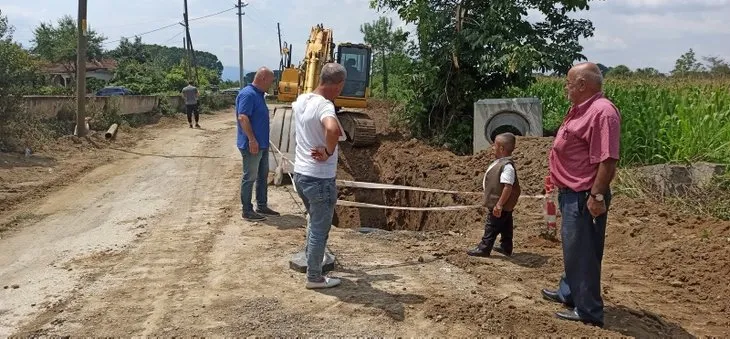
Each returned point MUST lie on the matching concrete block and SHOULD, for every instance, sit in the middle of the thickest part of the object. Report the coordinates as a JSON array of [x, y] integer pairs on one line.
[[299, 262], [681, 179], [521, 116]]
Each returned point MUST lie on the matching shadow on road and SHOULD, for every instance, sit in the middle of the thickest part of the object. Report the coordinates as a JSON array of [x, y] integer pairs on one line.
[[525, 259], [286, 221], [361, 291], [641, 324]]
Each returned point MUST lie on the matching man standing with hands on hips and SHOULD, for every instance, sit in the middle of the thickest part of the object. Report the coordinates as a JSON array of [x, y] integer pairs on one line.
[[582, 165], [252, 115], [315, 167]]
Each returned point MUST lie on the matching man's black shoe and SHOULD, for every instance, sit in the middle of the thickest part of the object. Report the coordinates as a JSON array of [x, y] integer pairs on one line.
[[267, 211], [554, 297], [572, 315], [252, 216], [478, 252]]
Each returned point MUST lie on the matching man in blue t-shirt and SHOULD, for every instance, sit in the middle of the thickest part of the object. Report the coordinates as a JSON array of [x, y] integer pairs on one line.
[[252, 115]]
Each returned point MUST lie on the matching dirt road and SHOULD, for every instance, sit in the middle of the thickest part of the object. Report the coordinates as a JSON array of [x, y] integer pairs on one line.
[[153, 244]]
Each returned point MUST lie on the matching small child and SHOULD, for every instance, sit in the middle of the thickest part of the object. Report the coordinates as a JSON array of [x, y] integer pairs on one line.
[[501, 191]]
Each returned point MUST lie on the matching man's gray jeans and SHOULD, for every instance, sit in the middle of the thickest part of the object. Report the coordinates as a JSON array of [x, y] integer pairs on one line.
[[319, 197]]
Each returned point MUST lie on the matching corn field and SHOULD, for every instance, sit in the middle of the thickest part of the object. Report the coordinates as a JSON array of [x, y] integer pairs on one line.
[[663, 120]]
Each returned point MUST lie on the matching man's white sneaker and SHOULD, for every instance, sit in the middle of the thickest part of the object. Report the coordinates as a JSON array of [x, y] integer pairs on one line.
[[327, 283]]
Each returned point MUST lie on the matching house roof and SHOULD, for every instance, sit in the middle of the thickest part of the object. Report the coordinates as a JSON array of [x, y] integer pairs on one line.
[[93, 65]]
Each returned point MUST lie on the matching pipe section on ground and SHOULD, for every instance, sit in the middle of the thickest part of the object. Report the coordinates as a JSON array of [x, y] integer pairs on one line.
[[111, 132]]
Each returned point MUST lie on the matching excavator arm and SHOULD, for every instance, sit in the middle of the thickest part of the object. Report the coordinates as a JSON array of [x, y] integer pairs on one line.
[[320, 49]]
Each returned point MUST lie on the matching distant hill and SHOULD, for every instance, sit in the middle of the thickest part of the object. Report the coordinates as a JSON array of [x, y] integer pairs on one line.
[[230, 73]]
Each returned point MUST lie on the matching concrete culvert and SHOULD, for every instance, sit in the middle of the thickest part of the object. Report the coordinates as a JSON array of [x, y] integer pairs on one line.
[[521, 116], [506, 122]]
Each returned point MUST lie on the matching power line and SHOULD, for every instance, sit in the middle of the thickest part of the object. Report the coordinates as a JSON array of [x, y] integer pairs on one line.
[[214, 14], [173, 37], [170, 25], [145, 33]]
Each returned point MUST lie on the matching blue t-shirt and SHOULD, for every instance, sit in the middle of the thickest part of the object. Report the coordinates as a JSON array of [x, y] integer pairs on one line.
[[250, 102]]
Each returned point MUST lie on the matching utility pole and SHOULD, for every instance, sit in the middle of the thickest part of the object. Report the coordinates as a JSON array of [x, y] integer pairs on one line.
[[186, 57], [81, 72], [281, 49], [190, 42], [240, 6]]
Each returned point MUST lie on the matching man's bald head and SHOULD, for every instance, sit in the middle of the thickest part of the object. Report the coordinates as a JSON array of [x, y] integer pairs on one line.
[[583, 81], [263, 79], [589, 72]]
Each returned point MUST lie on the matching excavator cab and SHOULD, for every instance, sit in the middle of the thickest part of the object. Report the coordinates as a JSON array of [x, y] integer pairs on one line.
[[356, 60]]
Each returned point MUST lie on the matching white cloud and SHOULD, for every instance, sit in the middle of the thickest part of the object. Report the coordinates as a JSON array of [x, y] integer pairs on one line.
[[638, 33]]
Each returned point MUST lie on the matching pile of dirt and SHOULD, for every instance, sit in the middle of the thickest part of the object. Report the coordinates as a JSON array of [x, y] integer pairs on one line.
[[398, 160]]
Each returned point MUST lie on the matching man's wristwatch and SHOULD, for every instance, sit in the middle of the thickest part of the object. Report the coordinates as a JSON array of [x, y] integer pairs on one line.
[[598, 197], [327, 152]]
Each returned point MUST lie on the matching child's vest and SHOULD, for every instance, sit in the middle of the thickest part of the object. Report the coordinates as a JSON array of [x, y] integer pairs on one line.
[[493, 188]]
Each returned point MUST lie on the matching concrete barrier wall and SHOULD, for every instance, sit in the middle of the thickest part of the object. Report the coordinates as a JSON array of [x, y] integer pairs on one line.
[[55, 106]]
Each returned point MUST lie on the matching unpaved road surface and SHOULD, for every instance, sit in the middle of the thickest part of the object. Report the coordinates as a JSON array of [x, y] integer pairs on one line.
[[153, 244]]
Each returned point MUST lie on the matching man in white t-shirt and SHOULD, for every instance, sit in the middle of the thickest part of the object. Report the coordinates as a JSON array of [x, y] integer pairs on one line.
[[315, 167]]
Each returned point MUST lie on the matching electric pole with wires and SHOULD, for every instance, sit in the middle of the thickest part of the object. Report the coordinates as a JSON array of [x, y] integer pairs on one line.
[[240, 14], [189, 46], [81, 72]]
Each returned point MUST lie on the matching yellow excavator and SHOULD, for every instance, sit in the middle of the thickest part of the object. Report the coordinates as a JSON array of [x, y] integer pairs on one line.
[[350, 106]]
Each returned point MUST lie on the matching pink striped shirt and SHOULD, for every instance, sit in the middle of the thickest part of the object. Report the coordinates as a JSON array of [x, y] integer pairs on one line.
[[589, 135]]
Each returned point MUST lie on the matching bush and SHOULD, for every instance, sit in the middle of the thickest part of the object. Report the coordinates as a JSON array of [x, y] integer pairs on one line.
[[18, 76], [215, 102]]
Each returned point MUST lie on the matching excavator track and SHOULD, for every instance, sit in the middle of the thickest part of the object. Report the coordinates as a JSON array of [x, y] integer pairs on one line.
[[359, 127]]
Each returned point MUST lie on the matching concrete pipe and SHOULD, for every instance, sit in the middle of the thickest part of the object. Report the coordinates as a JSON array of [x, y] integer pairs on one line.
[[111, 132], [521, 116], [506, 122]]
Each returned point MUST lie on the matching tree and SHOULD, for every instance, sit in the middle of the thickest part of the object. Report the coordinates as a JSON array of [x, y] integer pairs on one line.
[[385, 42], [603, 68], [58, 44], [647, 72], [18, 77], [687, 64], [470, 50], [130, 50], [717, 66], [172, 56], [6, 31], [619, 71]]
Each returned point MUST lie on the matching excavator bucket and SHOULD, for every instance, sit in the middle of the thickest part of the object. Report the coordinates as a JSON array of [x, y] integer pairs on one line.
[[281, 137], [360, 129]]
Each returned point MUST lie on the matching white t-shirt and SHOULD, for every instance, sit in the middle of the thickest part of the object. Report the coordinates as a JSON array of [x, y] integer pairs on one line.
[[506, 177], [309, 110]]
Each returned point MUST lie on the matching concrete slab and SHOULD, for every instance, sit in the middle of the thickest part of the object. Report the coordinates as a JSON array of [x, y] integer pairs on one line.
[[298, 262]]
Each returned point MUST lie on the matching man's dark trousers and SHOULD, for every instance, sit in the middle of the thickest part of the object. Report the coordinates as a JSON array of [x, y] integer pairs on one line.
[[583, 240], [190, 110], [495, 226]]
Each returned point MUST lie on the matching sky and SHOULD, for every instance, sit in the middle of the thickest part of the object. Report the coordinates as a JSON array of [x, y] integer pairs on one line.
[[636, 33]]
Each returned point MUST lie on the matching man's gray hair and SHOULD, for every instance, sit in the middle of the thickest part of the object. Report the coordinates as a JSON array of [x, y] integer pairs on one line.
[[590, 72], [332, 74]]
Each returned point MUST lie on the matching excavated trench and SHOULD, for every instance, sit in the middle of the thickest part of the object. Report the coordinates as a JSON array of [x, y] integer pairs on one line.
[[412, 163]]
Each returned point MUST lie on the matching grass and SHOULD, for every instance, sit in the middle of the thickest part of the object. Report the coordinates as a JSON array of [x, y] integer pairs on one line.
[[663, 120], [708, 200]]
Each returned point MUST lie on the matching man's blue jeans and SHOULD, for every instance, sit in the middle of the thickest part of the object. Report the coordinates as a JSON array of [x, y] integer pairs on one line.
[[255, 170], [319, 197], [583, 238]]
